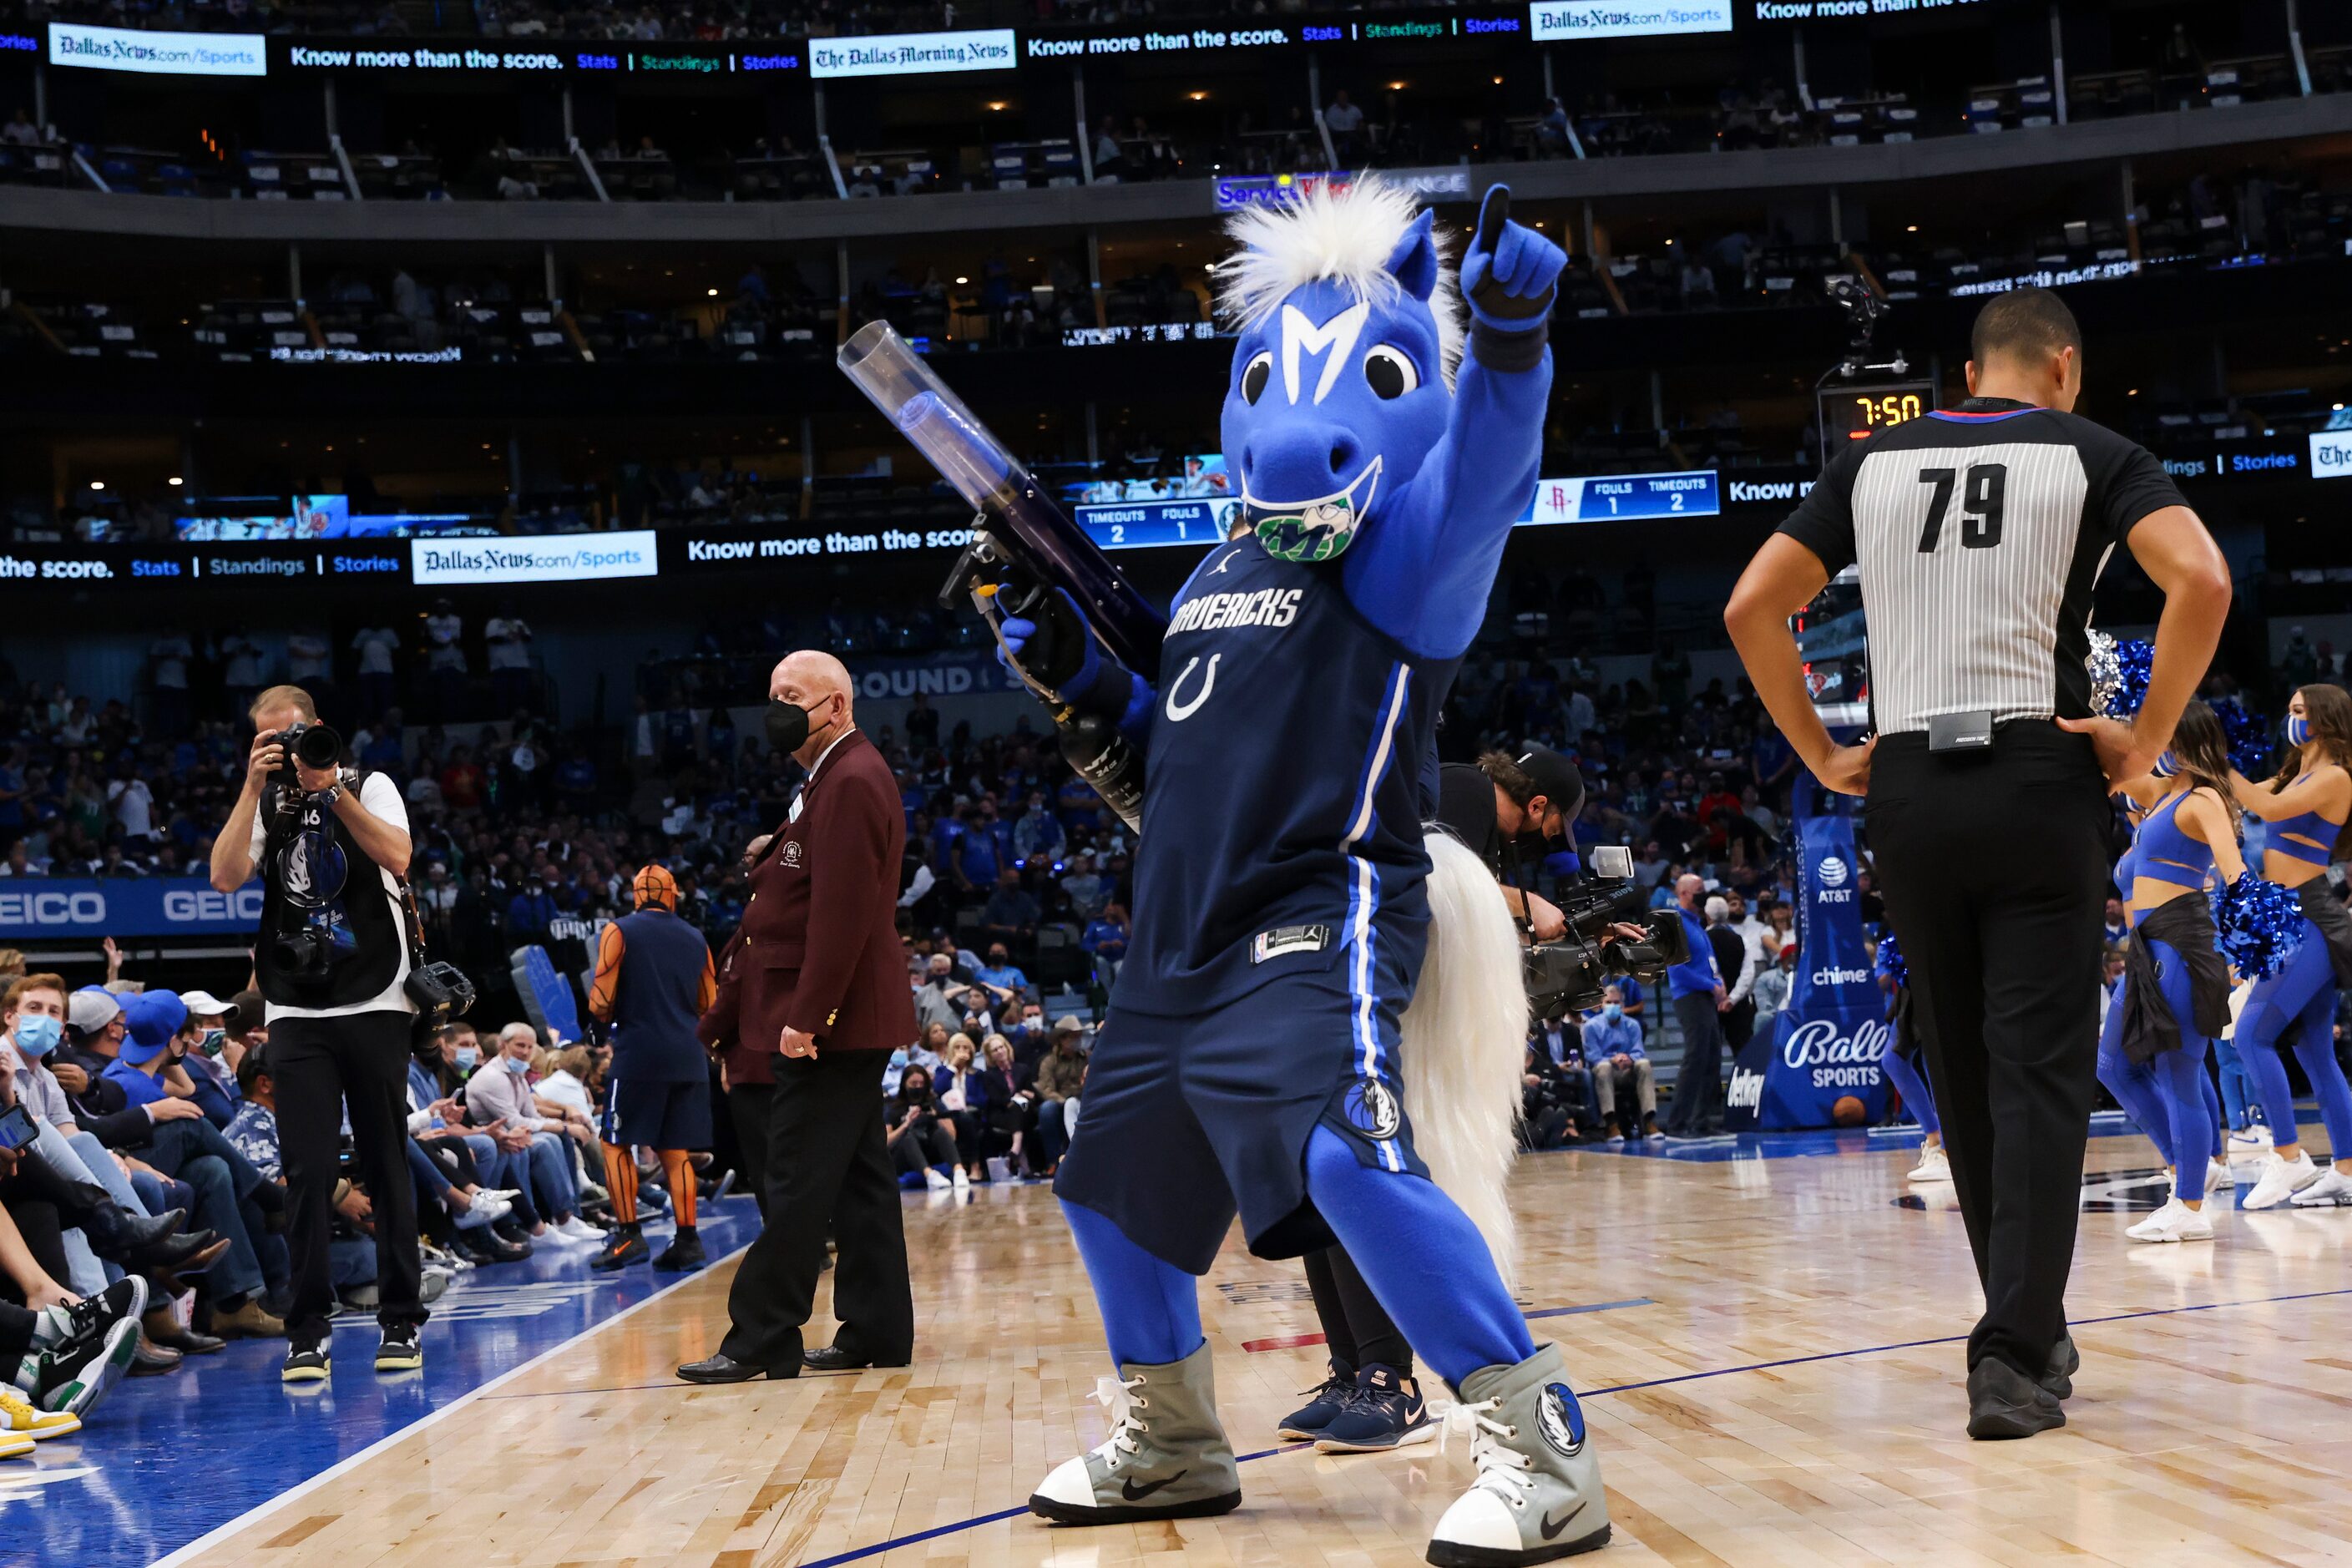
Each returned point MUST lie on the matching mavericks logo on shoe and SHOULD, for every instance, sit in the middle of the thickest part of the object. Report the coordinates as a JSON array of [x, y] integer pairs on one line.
[[1372, 1109], [1560, 1419]]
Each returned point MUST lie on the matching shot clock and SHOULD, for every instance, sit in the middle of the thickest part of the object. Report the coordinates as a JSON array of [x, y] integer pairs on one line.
[[1850, 412]]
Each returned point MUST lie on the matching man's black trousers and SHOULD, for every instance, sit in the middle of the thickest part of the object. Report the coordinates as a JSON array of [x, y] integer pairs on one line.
[[1699, 1080], [320, 1069], [749, 1110], [827, 1158], [1994, 865]]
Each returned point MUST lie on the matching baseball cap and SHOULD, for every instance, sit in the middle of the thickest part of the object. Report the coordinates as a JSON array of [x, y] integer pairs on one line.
[[1556, 778], [654, 885], [91, 1009], [152, 1021], [203, 1003]]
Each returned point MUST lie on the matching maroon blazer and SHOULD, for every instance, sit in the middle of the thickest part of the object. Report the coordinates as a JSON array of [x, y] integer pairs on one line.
[[818, 949]]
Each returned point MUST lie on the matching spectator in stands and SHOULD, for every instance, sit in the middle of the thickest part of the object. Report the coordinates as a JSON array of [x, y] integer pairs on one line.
[[1000, 975], [445, 643], [376, 646], [1700, 997], [1037, 833], [1551, 130], [1110, 158], [510, 637], [499, 1096], [922, 1143], [1012, 1101], [1104, 942], [1553, 1097], [20, 131], [1059, 1076], [1345, 122], [962, 1084], [1620, 1067], [1087, 889]]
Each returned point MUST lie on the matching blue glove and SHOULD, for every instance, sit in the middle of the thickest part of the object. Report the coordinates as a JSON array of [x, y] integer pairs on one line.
[[1054, 650], [1510, 272]]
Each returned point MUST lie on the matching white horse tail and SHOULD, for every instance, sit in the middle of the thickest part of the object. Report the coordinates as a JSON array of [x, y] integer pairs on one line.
[[1466, 1040]]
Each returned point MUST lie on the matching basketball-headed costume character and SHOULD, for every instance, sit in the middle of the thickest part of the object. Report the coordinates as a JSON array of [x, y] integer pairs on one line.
[[1250, 1059]]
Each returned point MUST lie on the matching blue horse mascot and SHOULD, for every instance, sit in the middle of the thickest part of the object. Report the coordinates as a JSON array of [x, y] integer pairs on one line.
[[1251, 1061]]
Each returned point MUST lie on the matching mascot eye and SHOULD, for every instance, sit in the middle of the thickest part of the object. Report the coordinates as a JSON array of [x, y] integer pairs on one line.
[[1389, 372], [1255, 376]]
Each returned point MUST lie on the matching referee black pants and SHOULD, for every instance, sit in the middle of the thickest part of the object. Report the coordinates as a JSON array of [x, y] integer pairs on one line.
[[827, 1159], [1994, 868]]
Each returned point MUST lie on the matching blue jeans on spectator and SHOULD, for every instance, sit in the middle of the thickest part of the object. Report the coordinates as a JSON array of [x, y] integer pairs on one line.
[[2235, 1086], [1053, 1139], [551, 1171], [73, 1158], [350, 1262], [224, 1181], [509, 1172]]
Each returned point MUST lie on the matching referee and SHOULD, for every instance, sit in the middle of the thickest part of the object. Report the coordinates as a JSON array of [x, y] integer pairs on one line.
[[1980, 532]]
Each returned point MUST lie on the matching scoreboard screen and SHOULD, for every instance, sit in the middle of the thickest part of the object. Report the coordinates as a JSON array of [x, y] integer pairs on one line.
[[1853, 413]]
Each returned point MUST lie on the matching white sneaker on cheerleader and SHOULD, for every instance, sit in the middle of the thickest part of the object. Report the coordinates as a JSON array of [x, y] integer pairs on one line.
[[2333, 1190], [1934, 1165], [934, 1180], [2174, 1222], [2249, 1143], [960, 1177], [2281, 1180], [2216, 1176]]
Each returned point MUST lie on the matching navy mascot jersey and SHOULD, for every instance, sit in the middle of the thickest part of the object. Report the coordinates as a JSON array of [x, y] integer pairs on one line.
[[1281, 816]]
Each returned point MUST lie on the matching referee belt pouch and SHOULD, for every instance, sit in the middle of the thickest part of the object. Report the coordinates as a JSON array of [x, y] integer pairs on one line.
[[1960, 732], [2323, 908]]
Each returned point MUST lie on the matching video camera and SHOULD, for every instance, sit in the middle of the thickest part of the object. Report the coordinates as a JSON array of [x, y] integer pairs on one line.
[[1569, 975]]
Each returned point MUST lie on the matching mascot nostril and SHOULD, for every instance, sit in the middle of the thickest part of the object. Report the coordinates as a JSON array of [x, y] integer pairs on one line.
[[1338, 459]]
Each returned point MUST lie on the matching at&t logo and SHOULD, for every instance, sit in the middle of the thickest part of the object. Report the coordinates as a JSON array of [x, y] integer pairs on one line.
[[1832, 871]]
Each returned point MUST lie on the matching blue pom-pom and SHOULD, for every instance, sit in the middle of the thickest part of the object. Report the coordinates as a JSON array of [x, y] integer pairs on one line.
[[2249, 735], [2258, 924], [1891, 956], [2134, 657]]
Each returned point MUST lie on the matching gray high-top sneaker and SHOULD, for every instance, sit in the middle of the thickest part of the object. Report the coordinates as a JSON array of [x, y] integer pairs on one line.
[[1538, 1494], [1165, 1456]]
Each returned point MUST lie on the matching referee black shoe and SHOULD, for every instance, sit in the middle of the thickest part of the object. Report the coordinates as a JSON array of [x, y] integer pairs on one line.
[[725, 1368], [833, 1358], [2065, 1361], [2005, 1403]]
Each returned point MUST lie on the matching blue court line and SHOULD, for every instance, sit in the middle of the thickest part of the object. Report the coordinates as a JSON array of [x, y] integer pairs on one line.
[[859, 1552], [1589, 1307]]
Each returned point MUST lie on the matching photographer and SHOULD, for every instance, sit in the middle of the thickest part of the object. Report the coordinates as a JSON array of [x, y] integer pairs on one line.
[[333, 959], [1497, 804]]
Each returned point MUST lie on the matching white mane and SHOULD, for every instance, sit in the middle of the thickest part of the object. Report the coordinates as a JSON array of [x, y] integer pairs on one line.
[[1343, 236]]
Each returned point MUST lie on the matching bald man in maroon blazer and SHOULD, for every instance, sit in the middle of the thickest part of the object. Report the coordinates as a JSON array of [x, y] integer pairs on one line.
[[820, 1000]]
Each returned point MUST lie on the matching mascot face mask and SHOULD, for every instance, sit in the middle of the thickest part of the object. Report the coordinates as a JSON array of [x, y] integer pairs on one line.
[[1339, 390]]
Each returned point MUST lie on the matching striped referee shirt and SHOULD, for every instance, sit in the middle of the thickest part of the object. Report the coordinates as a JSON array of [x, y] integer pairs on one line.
[[1980, 532]]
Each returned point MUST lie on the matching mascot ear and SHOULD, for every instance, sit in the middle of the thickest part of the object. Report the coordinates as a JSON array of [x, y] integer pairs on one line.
[[1413, 263]]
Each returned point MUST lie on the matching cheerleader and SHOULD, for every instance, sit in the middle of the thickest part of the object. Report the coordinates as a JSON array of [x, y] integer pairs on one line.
[[1902, 1065], [2175, 993], [2305, 806]]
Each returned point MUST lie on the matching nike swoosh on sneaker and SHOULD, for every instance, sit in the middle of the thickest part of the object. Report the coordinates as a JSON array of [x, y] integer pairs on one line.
[[1552, 1527], [1133, 1493]]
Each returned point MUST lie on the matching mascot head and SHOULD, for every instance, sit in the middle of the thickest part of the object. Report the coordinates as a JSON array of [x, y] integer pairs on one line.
[[1343, 375]]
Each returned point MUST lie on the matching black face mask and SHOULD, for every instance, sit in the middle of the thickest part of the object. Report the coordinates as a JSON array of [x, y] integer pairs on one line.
[[788, 725]]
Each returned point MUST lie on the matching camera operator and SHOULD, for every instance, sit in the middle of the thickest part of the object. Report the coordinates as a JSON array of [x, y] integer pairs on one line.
[[1497, 803], [333, 962]]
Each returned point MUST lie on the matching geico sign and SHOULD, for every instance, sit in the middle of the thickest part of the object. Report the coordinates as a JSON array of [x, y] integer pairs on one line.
[[52, 909], [182, 905]]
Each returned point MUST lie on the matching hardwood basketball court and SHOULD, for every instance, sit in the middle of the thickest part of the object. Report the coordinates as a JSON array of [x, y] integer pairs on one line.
[[1769, 1349]]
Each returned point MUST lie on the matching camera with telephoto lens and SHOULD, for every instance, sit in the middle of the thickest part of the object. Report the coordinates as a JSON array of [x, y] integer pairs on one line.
[[313, 745], [1569, 975]]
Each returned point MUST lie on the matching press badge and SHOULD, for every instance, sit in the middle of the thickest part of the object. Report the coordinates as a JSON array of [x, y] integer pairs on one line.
[[1283, 941]]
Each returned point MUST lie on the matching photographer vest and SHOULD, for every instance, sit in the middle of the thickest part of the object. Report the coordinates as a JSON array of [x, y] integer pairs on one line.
[[321, 891]]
